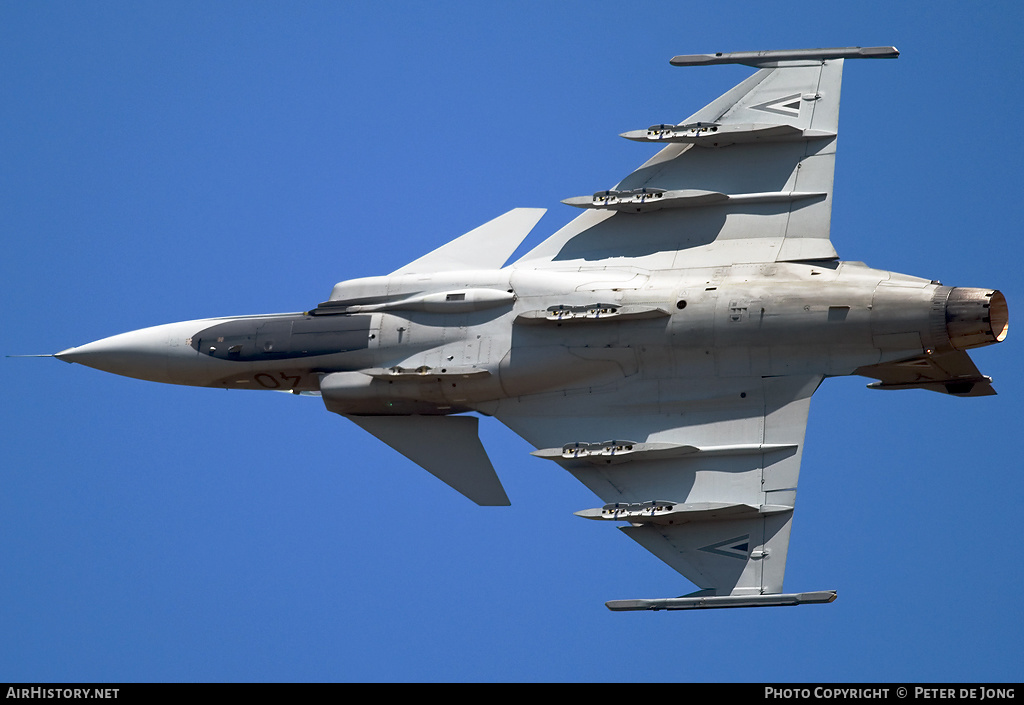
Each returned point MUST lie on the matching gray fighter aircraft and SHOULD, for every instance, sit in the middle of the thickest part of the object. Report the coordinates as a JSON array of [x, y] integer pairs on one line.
[[663, 347]]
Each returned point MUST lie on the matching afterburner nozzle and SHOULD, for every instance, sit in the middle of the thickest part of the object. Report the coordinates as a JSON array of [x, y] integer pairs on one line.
[[976, 317]]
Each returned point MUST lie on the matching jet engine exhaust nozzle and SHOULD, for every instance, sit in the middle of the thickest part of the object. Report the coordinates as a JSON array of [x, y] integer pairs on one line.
[[976, 317]]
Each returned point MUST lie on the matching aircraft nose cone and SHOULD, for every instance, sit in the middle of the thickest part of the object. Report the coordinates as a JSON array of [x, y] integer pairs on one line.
[[142, 354], [138, 354]]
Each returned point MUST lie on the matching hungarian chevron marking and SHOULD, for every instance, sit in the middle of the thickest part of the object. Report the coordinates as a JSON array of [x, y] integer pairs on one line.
[[789, 106], [738, 547]]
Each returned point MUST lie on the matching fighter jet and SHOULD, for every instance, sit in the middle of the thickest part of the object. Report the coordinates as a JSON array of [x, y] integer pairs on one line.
[[662, 347]]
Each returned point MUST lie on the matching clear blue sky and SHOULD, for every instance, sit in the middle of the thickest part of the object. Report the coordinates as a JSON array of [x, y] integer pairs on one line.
[[171, 161]]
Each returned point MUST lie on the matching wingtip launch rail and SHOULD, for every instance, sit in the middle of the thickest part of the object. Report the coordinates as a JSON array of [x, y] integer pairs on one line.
[[699, 602], [766, 59]]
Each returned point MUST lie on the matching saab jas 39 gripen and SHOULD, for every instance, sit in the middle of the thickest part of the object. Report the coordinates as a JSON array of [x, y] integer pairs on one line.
[[662, 347]]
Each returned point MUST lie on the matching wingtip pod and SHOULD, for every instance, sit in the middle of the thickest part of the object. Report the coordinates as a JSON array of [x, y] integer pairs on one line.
[[698, 601], [764, 59]]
